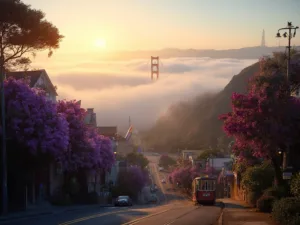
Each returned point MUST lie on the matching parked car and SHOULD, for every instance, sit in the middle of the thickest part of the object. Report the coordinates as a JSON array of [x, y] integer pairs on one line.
[[153, 199], [163, 181], [123, 201]]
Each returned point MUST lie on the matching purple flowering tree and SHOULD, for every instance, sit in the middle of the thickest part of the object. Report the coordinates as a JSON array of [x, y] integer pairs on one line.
[[87, 149], [101, 154], [78, 153], [132, 181], [33, 124]]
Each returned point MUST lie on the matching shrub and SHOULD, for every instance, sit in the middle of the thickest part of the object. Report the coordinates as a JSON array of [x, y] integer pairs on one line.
[[295, 185], [92, 198], [265, 203], [60, 199], [287, 211], [258, 178], [252, 198], [277, 192]]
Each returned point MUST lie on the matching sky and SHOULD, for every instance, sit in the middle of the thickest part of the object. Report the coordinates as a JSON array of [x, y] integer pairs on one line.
[[119, 89], [156, 24]]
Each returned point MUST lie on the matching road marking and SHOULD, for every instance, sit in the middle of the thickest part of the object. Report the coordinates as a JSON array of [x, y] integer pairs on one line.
[[170, 222], [91, 217], [145, 217]]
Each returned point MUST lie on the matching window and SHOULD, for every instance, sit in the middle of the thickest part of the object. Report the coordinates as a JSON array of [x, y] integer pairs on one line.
[[206, 185]]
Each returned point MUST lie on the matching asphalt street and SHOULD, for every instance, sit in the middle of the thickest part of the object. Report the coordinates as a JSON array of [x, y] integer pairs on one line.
[[171, 209]]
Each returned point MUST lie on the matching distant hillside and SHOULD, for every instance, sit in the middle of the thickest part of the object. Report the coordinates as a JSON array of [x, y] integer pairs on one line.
[[242, 53], [194, 124]]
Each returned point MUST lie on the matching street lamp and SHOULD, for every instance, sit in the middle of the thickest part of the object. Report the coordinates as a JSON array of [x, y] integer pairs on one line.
[[3, 139], [288, 35]]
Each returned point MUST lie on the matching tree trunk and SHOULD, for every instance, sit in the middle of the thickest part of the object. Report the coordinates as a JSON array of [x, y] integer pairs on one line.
[[278, 172]]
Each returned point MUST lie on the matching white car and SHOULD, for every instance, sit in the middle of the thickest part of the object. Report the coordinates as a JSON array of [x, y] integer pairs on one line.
[[163, 181]]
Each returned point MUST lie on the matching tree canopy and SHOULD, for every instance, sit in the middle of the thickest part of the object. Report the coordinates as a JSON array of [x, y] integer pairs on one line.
[[23, 31], [86, 148], [165, 161], [33, 121], [266, 119], [137, 159]]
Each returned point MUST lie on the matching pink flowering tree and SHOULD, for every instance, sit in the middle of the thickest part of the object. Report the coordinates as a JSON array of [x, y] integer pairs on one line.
[[265, 120], [184, 176], [36, 132]]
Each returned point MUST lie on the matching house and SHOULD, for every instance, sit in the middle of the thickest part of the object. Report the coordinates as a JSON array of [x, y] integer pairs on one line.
[[90, 118], [219, 163], [111, 132], [194, 153], [47, 179], [37, 79]]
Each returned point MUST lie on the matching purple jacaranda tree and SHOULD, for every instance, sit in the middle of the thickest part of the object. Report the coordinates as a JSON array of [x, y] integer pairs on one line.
[[77, 155], [32, 121], [87, 149], [132, 181], [101, 154]]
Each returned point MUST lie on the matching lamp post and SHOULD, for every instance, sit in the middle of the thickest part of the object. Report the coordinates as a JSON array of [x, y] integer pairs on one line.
[[3, 139], [288, 34]]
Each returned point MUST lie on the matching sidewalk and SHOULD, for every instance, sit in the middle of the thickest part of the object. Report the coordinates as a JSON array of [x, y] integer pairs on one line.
[[47, 209], [239, 213]]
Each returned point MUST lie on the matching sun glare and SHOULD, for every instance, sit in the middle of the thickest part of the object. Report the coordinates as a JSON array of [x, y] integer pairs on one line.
[[100, 43]]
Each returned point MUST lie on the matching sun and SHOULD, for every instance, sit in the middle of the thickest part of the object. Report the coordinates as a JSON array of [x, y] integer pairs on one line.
[[100, 43]]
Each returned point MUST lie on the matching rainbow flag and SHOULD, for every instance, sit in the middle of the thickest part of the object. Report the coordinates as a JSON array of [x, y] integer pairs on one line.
[[129, 133]]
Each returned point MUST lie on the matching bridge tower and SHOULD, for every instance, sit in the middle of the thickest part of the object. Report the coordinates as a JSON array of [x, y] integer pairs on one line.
[[154, 67]]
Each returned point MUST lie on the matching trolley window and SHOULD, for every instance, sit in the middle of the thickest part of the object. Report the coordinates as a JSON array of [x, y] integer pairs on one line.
[[206, 185]]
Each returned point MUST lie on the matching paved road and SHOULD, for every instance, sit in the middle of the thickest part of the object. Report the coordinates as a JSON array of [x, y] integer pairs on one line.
[[176, 214], [173, 209]]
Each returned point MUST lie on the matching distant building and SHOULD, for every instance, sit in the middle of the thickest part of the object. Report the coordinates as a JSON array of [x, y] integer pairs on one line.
[[219, 163], [108, 131], [37, 79], [194, 153], [91, 118]]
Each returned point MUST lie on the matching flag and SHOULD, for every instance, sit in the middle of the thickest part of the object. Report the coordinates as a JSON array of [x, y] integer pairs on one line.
[[129, 133]]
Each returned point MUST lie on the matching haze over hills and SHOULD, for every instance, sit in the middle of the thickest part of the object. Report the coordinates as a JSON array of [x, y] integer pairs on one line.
[[242, 53], [194, 124]]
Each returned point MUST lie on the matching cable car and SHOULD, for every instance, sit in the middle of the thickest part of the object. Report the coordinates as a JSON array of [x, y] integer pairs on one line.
[[204, 190]]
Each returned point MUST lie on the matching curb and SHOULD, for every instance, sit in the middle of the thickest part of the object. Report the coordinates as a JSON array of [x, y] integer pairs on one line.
[[45, 213], [220, 219]]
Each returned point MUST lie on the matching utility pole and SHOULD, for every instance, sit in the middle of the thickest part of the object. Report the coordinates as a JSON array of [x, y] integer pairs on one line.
[[3, 139], [288, 35]]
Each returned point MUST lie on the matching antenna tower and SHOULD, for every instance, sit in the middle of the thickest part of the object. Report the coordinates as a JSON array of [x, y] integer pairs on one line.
[[154, 67], [263, 41]]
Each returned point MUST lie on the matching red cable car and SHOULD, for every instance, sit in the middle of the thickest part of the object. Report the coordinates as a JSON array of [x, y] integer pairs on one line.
[[204, 190]]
